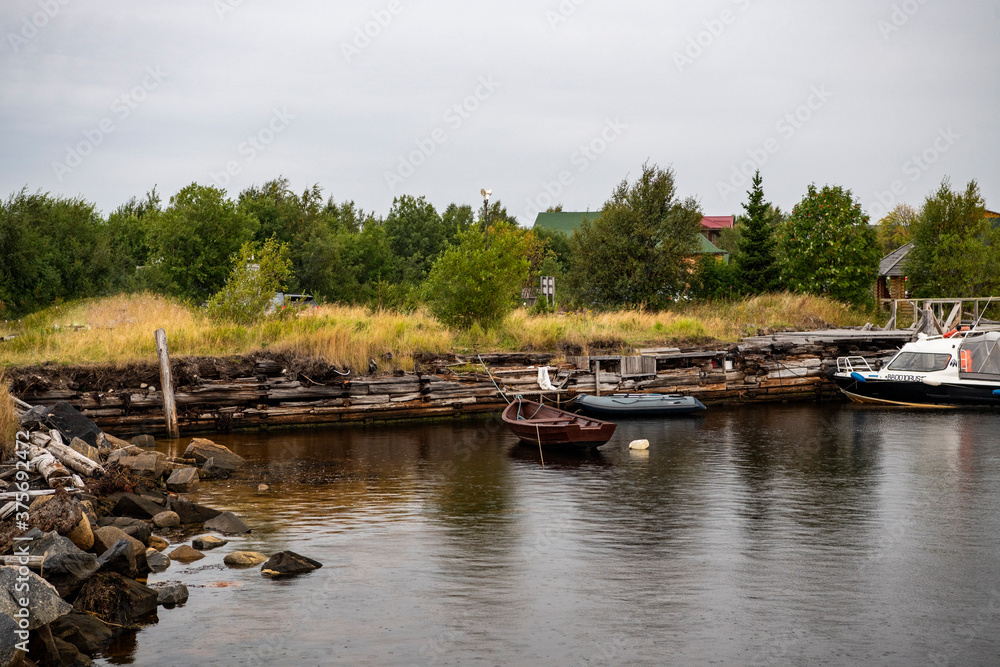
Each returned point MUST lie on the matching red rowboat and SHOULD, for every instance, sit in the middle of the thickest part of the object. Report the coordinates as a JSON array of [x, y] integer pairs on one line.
[[542, 424]]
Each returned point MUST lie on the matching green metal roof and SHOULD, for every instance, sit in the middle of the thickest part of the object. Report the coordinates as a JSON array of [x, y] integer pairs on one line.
[[565, 222], [707, 247]]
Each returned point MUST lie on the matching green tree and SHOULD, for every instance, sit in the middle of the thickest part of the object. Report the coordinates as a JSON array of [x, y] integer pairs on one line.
[[638, 251], [127, 229], [259, 271], [193, 242], [52, 249], [956, 251], [712, 279], [756, 262], [471, 283], [417, 236], [827, 247], [893, 230]]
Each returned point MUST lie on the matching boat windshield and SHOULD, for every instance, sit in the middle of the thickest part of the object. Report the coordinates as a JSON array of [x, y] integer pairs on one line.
[[920, 362], [981, 356]]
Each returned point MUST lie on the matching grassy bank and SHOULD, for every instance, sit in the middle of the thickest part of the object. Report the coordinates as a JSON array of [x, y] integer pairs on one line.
[[120, 329]]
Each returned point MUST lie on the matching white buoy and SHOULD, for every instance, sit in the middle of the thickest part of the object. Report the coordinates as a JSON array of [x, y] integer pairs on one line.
[[639, 444]]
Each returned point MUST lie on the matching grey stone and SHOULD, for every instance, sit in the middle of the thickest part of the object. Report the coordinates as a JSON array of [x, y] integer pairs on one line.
[[49, 544], [87, 633], [68, 571], [119, 558], [136, 507], [158, 562], [244, 559], [88, 450], [189, 512], [9, 640], [183, 480], [228, 524], [208, 542], [202, 449], [167, 519], [169, 595], [288, 563], [185, 554], [213, 469], [144, 441], [44, 604]]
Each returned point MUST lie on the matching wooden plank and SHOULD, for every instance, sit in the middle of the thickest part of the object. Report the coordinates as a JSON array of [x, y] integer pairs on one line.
[[167, 386]]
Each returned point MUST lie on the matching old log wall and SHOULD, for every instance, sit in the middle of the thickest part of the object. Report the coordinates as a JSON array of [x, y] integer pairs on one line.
[[758, 371]]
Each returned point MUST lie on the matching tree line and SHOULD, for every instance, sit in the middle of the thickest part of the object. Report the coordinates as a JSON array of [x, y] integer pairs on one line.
[[469, 265]]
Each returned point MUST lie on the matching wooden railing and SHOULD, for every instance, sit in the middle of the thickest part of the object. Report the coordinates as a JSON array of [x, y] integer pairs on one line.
[[936, 316]]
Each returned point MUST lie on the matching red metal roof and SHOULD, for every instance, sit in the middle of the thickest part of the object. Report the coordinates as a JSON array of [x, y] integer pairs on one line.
[[717, 222]]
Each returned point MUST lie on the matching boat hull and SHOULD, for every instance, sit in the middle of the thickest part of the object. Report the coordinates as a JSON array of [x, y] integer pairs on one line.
[[640, 405], [919, 394], [547, 426]]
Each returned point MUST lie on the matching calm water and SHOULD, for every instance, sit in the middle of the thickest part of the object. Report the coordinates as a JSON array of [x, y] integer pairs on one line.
[[777, 535]]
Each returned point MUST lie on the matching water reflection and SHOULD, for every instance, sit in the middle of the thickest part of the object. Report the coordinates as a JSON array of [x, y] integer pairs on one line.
[[787, 534]]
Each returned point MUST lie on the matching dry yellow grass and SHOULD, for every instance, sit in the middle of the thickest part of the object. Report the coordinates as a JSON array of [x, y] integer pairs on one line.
[[120, 329], [8, 421]]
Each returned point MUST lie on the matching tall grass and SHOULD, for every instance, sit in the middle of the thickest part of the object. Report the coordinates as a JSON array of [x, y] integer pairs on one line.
[[120, 329], [8, 421]]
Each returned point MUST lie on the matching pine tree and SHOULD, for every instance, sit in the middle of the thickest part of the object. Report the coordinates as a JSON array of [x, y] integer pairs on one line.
[[756, 261]]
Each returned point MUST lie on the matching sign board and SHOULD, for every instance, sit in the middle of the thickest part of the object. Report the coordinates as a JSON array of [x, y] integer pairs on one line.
[[549, 288]]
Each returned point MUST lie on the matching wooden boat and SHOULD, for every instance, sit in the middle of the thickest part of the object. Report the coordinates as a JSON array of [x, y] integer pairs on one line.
[[639, 405], [542, 424]]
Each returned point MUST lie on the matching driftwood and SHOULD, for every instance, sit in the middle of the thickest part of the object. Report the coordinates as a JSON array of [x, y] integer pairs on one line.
[[75, 460], [49, 467], [34, 562]]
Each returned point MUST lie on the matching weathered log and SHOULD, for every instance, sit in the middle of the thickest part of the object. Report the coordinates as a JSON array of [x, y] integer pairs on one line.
[[49, 467], [169, 407], [75, 460]]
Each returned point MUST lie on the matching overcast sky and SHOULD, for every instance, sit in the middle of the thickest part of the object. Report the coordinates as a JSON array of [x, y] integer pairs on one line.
[[544, 102]]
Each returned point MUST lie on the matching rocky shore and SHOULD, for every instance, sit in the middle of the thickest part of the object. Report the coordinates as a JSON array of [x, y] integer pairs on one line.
[[85, 517]]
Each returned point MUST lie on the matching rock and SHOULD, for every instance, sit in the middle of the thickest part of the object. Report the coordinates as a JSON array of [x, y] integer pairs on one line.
[[105, 538], [68, 421], [44, 604], [120, 558], [189, 512], [140, 531], [149, 464], [244, 559], [49, 544], [167, 519], [136, 507], [66, 654], [170, 595], [9, 640], [185, 554], [202, 449], [144, 441], [87, 633], [213, 469], [208, 542], [68, 571], [227, 523], [263, 488], [115, 599], [63, 514], [88, 450], [158, 543], [157, 562], [183, 480], [126, 452], [287, 563]]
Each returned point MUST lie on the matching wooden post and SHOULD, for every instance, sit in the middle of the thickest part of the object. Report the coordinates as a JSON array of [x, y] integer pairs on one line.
[[597, 378], [169, 407]]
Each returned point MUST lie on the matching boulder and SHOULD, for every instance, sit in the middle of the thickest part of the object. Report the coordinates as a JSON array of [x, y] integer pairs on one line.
[[244, 559], [55, 651], [105, 538], [202, 449], [121, 559], [288, 563], [189, 512], [221, 469], [183, 480], [88, 450], [208, 542], [44, 604], [148, 464], [228, 524], [185, 554], [167, 519], [87, 633], [9, 640], [136, 507], [49, 544], [158, 543], [157, 562], [82, 535], [117, 455], [63, 514], [140, 531], [170, 595], [68, 421], [68, 571], [115, 599], [147, 441]]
